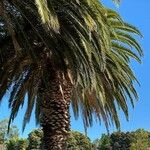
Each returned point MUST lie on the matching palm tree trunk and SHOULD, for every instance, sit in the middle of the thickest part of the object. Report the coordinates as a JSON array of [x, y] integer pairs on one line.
[[55, 119]]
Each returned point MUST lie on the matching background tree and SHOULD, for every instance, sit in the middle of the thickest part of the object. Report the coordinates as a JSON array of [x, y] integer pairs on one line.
[[4, 136], [104, 143], [16, 144], [78, 141], [35, 140], [115, 141], [53, 54], [141, 140], [121, 140], [13, 131]]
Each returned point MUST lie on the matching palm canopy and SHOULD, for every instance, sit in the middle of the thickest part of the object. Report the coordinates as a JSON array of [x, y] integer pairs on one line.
[[83, 40]]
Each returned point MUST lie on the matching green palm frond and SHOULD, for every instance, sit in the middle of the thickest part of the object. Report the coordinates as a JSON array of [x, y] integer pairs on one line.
[[116, 84], [48, 15], [90, 42]]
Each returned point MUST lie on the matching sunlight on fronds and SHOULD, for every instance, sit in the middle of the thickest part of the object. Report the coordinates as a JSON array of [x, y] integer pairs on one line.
[[48, 15]]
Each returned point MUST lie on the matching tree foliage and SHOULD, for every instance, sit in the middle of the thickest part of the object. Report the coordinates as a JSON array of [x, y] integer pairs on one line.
[[16, 144], [141, 140], [135, 140], [104, 143], [35, 140], [78, 141], [121, 140], [4, 135]]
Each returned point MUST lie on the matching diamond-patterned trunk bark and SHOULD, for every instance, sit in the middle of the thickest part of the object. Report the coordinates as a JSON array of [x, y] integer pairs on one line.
[[55, 119]]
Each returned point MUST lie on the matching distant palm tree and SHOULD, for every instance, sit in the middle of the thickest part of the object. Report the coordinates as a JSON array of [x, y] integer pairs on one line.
[[57, 53]]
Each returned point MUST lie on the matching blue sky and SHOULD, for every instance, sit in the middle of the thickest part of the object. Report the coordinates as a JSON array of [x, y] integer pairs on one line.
[[135, 12]]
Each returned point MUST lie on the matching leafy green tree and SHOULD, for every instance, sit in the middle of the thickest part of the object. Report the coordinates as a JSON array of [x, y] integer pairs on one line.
[[10, 140], [78, 141], [115, 141], [16, 144], [104, 143], [22, 144], [135, 140], [121, 140], [35, 140], [66, 52], [140, 140], [13, 131]]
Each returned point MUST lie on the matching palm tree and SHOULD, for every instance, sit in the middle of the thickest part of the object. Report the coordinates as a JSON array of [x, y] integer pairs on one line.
[[57, 53]]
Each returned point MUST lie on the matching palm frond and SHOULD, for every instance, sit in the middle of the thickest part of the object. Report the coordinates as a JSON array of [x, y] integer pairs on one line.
[[83, 37], [48, 15]]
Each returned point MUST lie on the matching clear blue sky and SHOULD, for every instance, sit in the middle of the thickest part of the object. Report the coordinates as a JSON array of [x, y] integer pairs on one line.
[[135, 12]]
